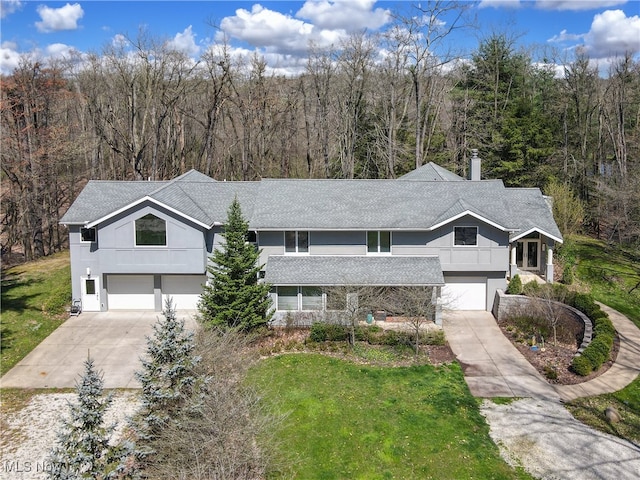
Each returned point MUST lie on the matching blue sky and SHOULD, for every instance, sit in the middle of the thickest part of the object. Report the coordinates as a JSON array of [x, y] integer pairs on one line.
[[281, 30]]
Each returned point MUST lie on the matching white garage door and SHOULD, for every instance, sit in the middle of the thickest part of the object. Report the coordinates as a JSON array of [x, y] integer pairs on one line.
[[465, 293], [130, 292], [184, 289]]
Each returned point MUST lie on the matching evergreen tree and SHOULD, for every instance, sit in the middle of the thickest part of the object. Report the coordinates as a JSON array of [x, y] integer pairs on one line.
[[83, 449], [168, 376], [235, 298]]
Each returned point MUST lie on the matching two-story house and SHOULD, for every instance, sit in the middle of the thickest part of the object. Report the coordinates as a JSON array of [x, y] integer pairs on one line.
[[134, 243]]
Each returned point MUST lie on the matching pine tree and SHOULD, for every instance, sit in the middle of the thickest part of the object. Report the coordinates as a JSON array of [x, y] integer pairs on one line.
[[83, 449], [168, 376], [235, 298]]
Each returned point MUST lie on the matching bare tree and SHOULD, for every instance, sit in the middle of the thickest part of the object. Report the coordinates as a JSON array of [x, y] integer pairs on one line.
[[426, 32], [416, 305]]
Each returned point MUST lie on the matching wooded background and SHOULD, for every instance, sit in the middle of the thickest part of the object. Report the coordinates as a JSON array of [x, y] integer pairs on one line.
[[141, 111]]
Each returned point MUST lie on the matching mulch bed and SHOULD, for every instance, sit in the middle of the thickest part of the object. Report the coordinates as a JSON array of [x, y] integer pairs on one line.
[[555, 358], [293, 340]]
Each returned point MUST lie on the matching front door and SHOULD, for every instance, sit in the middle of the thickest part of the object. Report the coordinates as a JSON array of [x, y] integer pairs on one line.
[[90, 294], [527, 254]]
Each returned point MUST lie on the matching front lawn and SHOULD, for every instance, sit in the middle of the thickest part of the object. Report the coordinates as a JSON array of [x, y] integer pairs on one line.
[[34, 298], [346, 420]]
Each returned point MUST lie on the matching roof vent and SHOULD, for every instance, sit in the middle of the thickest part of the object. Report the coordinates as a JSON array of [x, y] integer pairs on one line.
[[475, 165]]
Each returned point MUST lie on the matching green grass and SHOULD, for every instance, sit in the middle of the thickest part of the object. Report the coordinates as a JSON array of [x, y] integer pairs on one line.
[[34, 297], [610, 273], [346, 420]]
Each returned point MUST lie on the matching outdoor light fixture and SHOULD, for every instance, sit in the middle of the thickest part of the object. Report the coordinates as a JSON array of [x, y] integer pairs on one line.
[[89, 272]]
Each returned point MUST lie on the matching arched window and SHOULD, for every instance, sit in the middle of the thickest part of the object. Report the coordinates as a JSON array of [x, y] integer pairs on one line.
[[151, 231]]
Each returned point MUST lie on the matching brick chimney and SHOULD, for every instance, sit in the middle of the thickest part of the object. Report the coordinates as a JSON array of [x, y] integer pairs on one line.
[[475, 165]]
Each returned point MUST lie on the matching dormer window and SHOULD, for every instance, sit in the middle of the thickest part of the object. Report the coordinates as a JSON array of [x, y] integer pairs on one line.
[[151, 231], [465, 236], [88, 235]]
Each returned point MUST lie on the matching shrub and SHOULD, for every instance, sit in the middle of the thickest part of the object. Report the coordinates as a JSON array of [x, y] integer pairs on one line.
[[432, 337], [581, 366], [515, 285], [327, 332], [603, 344], [586, 304], [603, 326], [550, 372], [531, 289], [367, 333], [594, 355], [393, 337]]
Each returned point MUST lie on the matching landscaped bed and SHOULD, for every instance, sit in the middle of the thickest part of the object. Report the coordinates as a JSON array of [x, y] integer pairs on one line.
[[552, 361]]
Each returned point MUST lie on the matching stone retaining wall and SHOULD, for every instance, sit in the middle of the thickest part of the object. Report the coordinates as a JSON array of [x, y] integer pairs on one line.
[[504, 305]]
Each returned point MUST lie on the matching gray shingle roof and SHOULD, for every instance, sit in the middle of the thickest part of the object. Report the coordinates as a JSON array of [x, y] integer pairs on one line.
[[372, 204], [432, 172], [287, 204], [319, 270]]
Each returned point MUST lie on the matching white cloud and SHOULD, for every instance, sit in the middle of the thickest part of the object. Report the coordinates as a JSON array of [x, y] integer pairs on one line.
[[9, 57], [59, 51], [266, 28], [576, 5], [613, 33], [185, 42], [7, 7], [349, 15], [56, 19], [119, 41], [564, 36], [499, 4]]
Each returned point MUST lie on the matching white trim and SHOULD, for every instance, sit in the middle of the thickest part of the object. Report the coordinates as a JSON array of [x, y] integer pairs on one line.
[[474, 215], [534, 229], [138, 202]]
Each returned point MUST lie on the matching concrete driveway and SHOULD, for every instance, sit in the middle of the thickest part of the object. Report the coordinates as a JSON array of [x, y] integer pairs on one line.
[[115, 340], [492, 366]]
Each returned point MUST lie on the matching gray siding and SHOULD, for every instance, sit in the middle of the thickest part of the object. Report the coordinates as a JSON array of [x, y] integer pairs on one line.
[[185, 251], [338, 243]]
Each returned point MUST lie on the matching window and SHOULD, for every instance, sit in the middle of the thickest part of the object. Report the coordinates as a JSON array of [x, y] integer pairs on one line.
[[311, 298], [378, 242], [151, 231], [296, 242], [287, 298], [299, 298], [88, 235], [465, 235]]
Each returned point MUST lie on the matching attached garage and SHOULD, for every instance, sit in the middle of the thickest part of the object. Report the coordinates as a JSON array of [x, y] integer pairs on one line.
[[465, 293], [184, 289], [130, 292]]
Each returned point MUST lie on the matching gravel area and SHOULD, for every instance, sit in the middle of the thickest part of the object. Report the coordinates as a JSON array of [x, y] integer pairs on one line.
[[29, 434], [543, 438], [540, 436]]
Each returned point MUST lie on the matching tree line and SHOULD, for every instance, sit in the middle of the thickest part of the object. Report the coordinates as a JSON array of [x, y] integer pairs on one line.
[[142, 111]]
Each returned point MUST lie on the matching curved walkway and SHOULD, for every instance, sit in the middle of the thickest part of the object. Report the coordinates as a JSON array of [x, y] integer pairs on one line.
[[625, 369], [493, 367]]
